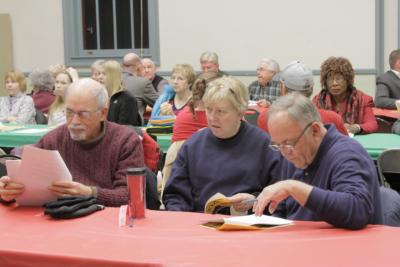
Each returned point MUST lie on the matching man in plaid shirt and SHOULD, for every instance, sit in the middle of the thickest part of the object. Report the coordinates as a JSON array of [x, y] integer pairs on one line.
[[266, 89]]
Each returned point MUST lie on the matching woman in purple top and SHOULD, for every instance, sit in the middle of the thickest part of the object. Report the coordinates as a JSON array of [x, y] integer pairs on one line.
[[182, 78]]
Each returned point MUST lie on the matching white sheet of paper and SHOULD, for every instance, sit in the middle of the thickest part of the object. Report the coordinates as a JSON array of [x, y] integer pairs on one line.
[[38, 169], [252, 220], [32, 131]]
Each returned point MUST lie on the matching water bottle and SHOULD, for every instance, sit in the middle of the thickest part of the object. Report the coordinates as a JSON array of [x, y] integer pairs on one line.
[[136, 180]]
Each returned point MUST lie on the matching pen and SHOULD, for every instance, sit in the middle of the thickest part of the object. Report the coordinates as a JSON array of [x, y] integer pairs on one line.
[[249, 201]]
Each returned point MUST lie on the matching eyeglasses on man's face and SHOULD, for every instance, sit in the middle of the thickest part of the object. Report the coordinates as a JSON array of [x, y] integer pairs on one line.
[[288, 148], [84, 114]]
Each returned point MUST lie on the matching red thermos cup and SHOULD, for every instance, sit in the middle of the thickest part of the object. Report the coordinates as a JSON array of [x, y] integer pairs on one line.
[[136, 180]]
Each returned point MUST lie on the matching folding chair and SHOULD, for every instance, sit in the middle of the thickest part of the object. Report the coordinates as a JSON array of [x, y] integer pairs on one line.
[[40, 118], [388, 164]]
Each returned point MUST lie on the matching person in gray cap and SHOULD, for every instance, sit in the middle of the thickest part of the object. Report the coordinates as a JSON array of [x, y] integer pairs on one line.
[[297, 77]]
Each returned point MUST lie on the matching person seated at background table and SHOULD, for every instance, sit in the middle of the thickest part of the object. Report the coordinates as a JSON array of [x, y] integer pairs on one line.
[[84, 144], [231, 156], [209, 62], [191, 119], [123, 108], [339, 94], [149, 71], [42, 82], [327, 176], [265, 89], [95, 69], [57, 110], [388, 84], [138, 85], [182, 78], [16, 107], [297, 77]]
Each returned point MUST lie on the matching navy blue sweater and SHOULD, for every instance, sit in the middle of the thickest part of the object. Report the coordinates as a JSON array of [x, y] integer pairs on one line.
[[346, 187], [206, 165]]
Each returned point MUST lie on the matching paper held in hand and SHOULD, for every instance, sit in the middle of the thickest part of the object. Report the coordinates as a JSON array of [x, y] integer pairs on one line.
[[215, 203], [248, 222], [37, 170]]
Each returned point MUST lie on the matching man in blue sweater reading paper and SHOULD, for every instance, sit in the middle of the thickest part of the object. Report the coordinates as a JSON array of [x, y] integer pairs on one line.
[[327, 176]]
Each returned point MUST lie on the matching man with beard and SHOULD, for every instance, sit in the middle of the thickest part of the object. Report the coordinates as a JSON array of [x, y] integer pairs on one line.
[[96, 152]]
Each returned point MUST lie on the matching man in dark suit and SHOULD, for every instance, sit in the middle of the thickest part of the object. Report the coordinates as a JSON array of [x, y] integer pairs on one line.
[[388, 84], [139, 86]]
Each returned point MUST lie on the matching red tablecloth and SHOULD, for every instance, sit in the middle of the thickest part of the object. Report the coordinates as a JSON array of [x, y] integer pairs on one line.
[[28, 238]]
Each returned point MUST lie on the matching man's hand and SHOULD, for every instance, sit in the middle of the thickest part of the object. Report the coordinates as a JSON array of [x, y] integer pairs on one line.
[[279, 191], [263, 103], [10, 190], [241, 201], [69, 188]]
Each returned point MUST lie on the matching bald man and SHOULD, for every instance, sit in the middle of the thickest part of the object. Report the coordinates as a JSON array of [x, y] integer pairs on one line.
[[137, 85], [84, 144]]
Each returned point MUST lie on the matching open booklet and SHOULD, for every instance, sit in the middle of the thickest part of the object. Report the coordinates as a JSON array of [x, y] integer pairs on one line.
[[215, 203], [37, 170], [248, 222]]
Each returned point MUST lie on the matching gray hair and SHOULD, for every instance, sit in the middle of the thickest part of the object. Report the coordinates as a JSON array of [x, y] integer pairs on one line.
[[42, 80], [97, 64], [149, 61], [97, 89], [230, 89], [298, 107], [270, 64], [209, 56]]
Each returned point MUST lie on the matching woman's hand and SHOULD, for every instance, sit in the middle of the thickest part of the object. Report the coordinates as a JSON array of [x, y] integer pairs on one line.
[[166, 109]]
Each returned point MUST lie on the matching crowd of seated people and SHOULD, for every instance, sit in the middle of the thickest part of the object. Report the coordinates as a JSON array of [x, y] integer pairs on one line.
[[287, 163]]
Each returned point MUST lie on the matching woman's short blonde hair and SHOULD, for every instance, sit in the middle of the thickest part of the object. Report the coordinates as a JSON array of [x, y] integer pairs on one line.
[[18, 77], [113, 72], [187, 71], [228, 88]]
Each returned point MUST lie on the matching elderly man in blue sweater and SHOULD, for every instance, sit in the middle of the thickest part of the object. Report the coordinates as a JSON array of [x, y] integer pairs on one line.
[[328, 176]]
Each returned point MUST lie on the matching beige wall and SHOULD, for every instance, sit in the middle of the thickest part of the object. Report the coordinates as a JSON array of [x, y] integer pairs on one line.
[[37, 32], [5, 48], [188, 27]]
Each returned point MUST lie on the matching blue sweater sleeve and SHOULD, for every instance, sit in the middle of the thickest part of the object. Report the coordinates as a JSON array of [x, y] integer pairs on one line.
[[177, 195], [349, 203]]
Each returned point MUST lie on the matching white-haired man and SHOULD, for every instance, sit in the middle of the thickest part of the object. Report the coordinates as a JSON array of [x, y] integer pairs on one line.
[[265, 89], [327, 176], [209, 63], [84, 144]]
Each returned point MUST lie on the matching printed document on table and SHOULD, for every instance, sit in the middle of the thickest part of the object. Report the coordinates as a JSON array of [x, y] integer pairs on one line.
[[37, 170]]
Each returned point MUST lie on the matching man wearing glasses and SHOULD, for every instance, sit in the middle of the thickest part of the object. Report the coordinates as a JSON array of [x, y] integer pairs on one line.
[[96, 152], [329, 176]]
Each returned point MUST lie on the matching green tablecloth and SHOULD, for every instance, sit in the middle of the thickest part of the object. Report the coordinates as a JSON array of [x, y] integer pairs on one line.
[[29, 134], [164, 141], [376, 143]]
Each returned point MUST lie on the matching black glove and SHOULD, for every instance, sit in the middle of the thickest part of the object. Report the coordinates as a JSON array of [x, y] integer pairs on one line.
[[72, 207]]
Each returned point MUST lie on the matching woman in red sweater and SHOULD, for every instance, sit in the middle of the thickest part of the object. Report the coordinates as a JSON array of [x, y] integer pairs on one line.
[[339, 94], [191, 119]]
